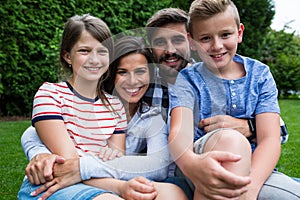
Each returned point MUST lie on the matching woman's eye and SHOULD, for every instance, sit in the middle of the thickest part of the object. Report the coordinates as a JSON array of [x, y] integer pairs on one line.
[[121, 72], [140, 71]]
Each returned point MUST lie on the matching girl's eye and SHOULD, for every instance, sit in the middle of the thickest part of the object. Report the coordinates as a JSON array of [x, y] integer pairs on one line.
[[103, 51], [83, 50]]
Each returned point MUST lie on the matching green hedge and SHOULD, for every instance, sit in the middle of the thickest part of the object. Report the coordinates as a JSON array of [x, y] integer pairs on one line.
[[30, 32]]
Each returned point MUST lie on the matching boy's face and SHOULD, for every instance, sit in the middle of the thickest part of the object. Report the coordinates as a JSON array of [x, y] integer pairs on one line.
[[170, 47], [216, 39]]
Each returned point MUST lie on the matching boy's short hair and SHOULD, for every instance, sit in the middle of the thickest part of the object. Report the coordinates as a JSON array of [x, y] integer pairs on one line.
[[205, 9], [164, 17]]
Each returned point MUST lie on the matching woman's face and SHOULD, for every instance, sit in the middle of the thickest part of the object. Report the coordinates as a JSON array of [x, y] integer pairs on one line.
[[132, 78]]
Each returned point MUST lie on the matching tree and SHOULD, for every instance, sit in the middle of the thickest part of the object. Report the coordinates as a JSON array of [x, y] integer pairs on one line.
[[257, 17], [282, 54]]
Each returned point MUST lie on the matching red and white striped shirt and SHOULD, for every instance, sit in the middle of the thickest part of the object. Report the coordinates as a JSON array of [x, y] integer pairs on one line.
[[88, 122]]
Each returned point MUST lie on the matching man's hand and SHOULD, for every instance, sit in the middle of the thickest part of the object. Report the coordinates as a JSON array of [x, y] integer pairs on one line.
[[65, 175], [139, 188], [39, 169], [212, 180], [225, 121]]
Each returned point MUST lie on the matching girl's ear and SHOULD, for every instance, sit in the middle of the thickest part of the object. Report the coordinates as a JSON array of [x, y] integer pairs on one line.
[[67, 58], [240, 32]]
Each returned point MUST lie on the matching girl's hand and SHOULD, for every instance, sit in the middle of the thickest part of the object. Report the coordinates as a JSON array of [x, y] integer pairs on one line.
[[109, 153]]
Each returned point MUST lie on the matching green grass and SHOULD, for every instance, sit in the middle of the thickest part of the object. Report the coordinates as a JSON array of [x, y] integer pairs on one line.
[[13, 161], [12, 158], [289, 162]]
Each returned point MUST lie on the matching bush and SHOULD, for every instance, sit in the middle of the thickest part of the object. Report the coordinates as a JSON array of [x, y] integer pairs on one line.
[[30, 32]]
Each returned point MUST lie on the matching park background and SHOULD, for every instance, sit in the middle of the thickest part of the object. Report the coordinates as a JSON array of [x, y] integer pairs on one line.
[[30, 32]]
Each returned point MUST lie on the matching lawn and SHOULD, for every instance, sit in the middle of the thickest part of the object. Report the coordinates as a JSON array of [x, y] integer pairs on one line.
[[13, 161]]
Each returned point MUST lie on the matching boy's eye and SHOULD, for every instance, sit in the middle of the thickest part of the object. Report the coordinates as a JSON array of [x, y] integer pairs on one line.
[[204, 39]]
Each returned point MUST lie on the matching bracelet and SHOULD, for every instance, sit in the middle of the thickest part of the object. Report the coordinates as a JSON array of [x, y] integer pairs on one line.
[[252, 127]]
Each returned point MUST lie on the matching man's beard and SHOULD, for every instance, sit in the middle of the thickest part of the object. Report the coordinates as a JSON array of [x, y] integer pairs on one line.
[[179, 57]]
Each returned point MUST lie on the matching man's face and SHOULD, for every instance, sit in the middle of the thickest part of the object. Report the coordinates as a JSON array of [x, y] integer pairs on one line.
[[171, 48]]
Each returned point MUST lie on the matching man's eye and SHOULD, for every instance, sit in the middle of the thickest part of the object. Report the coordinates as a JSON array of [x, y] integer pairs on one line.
[[178, 40], [159, 42]]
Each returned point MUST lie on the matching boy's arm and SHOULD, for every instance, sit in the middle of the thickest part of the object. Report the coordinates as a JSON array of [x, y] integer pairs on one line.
[[205, 170], [267, 152]]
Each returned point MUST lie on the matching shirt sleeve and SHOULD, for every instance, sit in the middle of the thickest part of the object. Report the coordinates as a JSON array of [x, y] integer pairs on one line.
[[31, 143], [46, 104]]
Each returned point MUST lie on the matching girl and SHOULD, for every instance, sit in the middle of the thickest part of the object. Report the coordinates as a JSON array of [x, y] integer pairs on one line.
[[76, 116]]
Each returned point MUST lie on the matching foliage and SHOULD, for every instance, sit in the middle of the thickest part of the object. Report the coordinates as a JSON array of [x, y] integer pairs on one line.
[[282, 54], [30, 33], [31, 29], [256, 15]]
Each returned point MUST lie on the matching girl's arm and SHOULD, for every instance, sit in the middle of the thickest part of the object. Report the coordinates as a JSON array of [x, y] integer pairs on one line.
[[267, 152], [54, 135]]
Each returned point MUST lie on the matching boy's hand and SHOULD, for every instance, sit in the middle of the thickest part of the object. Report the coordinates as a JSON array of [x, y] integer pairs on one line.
[[109, 154], [212, 180]]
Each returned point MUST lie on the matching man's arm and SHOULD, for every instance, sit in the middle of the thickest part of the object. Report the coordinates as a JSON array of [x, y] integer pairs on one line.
[[226, 121]]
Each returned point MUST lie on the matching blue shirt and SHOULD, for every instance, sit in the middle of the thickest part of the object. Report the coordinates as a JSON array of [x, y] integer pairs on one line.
[[208, 95]]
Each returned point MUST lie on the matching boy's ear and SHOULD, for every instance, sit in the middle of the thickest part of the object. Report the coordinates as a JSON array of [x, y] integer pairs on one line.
[[191, 42], [240, 32]]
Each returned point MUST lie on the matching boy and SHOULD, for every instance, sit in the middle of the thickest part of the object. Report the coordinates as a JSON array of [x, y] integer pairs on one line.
[[225, 83]]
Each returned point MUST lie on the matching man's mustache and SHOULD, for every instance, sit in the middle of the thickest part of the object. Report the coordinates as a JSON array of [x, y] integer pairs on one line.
[[167, 56]]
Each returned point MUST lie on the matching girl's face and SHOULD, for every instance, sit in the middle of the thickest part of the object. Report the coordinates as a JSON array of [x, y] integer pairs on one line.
[[217, 38], [132, 78], [89, 58]]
